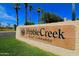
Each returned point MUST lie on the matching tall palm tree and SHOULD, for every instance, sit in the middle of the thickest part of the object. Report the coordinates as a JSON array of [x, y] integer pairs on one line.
[[30, 8], [39, 11], [73, 12], [42, 11], [17, 8], [26, 8]]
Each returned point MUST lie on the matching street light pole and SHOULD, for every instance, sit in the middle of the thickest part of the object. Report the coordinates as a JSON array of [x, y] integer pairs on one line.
[[17, 8], [73, 12]]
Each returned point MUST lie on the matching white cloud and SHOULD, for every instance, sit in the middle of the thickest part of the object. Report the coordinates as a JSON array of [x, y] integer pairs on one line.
[[2, 9], [3, 23], [4, 15]]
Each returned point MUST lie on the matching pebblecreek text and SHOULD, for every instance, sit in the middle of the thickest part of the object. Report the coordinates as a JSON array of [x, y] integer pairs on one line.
[[42, 32]]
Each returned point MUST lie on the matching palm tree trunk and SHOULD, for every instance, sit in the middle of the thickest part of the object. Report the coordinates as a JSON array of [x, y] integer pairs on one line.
[[26, 5], [16, 8], [73, 12], [38, 18], [30, 16], [17, 17]]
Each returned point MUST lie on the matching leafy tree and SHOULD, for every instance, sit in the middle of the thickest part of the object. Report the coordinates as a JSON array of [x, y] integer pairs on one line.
[[29, 23], [77, 18], [49, 18]]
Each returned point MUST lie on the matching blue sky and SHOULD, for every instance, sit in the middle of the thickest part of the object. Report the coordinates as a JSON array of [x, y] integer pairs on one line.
[[8, 14]]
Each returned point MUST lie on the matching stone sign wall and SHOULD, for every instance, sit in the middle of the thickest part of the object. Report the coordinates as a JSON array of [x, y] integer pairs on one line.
[[62, 34]]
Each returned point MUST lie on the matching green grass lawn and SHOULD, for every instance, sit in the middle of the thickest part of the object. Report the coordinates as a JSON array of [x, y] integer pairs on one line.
[[13, 47]]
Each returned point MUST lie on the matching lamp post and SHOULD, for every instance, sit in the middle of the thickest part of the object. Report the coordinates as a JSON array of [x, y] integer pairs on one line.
[[17, 8], [73, 12]]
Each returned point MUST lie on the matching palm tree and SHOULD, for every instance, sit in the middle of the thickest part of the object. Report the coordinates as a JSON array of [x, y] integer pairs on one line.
[[0, 24], [26, 8], [73, 12], [30, 8], [38, 11], [42, 11], [17, 8]]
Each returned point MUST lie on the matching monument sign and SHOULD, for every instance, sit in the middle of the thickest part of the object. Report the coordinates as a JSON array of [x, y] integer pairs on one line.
[[64, 35]]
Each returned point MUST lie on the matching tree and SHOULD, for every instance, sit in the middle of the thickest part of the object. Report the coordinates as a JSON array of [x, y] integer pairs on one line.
[[77, 18], [14, 26], [29, 23], [8, 25], [0, 24], [42, 12], [26, 8], [73, 12], [17, 8], [30, 8], [38, 11], [49, 18]]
